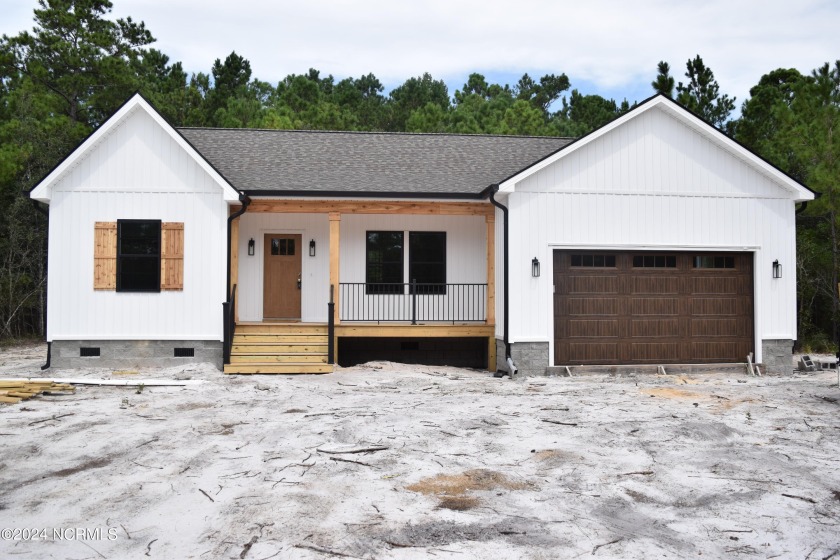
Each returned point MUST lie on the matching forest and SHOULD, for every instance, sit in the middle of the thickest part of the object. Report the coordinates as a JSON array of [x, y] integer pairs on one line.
[[61, 80]]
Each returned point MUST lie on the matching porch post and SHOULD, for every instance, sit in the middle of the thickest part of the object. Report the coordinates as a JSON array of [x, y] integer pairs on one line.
[[335, 240], [491, 269], [234, 261], [490, 219]]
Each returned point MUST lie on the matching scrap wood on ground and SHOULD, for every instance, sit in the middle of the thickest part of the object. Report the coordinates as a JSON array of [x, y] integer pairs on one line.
[[13, 391]]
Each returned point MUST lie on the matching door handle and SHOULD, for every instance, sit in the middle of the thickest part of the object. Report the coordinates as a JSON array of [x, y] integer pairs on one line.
[[298, 282]]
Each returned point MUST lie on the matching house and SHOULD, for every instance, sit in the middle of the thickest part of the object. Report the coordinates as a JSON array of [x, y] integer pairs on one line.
[[653, 240]]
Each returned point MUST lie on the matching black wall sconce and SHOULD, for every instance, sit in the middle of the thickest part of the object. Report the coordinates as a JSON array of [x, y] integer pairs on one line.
[[535, 267], [312, 248], [251, 247], [777, 269]]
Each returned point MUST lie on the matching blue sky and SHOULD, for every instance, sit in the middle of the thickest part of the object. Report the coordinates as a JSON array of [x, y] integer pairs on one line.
[[609, 48]]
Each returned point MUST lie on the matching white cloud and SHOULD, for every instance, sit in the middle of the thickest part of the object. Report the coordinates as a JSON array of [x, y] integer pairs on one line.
[[612, 45]]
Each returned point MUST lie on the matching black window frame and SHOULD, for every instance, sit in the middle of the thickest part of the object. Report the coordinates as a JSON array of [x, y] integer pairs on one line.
[[153, 257], [592, 260], [654, 260], [427, 287], [713, 262], [375, 286]]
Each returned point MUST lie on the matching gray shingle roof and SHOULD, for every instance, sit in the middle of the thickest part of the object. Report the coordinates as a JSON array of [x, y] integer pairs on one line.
[[360, 162]]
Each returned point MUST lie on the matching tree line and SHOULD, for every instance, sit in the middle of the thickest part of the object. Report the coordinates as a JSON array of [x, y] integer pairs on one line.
[[76, 67]]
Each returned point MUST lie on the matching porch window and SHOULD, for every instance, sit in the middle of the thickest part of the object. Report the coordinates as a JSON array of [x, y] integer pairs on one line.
[[427, 261], [384, 262], [138, 255]]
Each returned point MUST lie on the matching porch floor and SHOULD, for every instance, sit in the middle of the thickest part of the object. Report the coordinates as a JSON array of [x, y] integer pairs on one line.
[[293, 347]]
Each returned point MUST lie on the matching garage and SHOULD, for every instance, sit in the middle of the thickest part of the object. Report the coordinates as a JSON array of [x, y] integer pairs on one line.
[[625, 307]]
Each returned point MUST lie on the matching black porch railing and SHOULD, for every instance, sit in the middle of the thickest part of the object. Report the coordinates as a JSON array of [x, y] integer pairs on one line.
[[229, 324], [455, 303]]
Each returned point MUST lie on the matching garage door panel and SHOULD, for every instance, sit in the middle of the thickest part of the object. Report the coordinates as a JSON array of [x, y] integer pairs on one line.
[[583, 328], [592, 306], [643, 285], [716, 285], [733, 326], [718, 307], [592, 285], [662, 352], [652, 307], [667, 327], [592, 352], [718, 352]]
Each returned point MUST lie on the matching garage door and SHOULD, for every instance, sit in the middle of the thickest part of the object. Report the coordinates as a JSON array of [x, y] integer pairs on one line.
[[652, 307]]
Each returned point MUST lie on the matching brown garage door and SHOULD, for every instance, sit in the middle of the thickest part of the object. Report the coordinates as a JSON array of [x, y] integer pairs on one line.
[[652, 307]]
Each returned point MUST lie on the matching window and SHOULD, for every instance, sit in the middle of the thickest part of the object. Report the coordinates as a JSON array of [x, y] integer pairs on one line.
[[124, 252], [427, 261], [599, 261], [384, 262], [714, 261], [285, 247], [138, 255], [654, 261]]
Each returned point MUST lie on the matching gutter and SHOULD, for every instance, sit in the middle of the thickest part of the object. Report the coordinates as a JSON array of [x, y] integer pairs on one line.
[[491, 193], [46, 214]]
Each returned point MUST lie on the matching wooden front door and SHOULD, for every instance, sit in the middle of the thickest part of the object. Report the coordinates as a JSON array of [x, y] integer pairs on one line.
[[281, 276]]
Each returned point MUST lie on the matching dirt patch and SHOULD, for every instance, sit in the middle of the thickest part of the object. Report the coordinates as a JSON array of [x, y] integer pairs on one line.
[[696, 397], [453, 489]]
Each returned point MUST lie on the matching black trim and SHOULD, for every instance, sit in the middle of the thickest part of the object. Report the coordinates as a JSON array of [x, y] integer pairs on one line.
[[120, 287], [481, 195], [45, 210], [49, 356], [493, 190], [363, 194]]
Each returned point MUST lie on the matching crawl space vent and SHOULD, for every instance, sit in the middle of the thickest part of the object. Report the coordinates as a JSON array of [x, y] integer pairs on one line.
[[184, 352], [88, 351]]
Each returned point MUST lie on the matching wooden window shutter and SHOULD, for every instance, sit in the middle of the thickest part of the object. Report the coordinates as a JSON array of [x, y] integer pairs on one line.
[[172, 256], [105, 256]]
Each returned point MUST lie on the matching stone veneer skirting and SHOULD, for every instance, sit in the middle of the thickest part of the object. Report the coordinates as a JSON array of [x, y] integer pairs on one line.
[[777, 356], [532, 357], [134, 353]]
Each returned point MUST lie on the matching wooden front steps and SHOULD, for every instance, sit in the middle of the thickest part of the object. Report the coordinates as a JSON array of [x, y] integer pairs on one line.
[[279, 348]]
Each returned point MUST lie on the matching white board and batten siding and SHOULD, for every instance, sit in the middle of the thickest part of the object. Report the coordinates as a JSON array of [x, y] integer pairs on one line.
[[652, 183], [136, 171], [466, 255]]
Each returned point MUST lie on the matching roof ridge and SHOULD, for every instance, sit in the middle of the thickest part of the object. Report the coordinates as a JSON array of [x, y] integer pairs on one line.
[[376, 132]]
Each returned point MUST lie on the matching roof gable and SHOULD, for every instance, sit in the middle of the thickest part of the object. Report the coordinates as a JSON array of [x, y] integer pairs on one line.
[[129, 111], [661, 124]]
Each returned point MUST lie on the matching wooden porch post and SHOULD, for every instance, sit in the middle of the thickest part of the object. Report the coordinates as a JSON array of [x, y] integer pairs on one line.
[[234, 263], [335, 240], [490, 220]]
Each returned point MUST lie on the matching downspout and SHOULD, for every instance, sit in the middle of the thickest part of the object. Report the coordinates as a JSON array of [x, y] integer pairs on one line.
[[227, 312], [245, 200], [512, 369], [46, 214]]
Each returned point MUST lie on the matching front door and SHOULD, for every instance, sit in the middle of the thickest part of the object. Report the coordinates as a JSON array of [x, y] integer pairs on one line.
[[281, 277]]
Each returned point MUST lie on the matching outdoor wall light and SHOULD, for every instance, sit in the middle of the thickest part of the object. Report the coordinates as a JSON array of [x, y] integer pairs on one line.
[[312, 248], [251, 247], [777, 269], [535, 267]]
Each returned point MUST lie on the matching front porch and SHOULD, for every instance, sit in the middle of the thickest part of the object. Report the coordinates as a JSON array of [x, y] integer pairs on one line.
[[418, 276]]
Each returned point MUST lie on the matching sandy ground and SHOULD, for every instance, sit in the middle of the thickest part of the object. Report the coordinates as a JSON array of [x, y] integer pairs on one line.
[[391, 461]]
